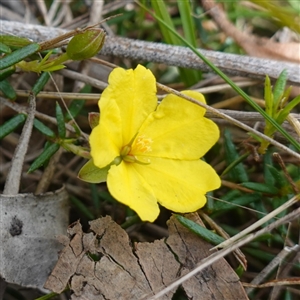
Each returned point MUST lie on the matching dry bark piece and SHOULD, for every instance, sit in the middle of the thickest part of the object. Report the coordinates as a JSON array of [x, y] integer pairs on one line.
[[159, 264], [118, 271], [218, 281], [29, 225]]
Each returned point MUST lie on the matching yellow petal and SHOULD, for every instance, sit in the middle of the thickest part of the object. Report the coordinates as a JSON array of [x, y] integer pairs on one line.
[[128, 187], [106, 138], [178, 130], [134, 92], [180, 185]]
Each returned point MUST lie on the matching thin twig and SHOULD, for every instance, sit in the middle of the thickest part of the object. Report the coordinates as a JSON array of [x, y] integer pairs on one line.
[[286, 251], [13, 179], [84, 78]]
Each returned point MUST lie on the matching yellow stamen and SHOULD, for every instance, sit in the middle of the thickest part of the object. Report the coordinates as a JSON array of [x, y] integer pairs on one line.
[[142, 144]]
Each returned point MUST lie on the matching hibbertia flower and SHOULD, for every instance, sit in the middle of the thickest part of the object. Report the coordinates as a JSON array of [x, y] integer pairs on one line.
[[149, 153]]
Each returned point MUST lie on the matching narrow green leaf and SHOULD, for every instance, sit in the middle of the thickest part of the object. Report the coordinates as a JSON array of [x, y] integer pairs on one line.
[[4, 48], [40, 83], [240, 200], [95, 196], [61, 126], [286, 96], [74, 109], [268, 162], [260, 255], [7, 72], [7, 90], [44, 157], [43, 128], [184, 6], [161, 10], [185, 11], [52, 69], [188, 76], [203, 232], [278, 90], [239, 271], [237, 171], [18, 55], [261, 187], [279, 178], [14, 41], [90, 173], [47, 297], [235, 163], [12, 124], [287, 109], [268, 96], [264, 237]]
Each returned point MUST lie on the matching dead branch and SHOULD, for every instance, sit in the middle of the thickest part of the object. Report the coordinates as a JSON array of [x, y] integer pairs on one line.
[[231, 64]]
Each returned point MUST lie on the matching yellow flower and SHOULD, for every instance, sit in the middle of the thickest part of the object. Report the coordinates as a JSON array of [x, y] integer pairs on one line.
[[151, 153]]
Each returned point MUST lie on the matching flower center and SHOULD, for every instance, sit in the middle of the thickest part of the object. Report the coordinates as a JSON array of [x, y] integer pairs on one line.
[[141, 144]]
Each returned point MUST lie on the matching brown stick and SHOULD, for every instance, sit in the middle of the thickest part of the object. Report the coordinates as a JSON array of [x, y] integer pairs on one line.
[[171, 55]]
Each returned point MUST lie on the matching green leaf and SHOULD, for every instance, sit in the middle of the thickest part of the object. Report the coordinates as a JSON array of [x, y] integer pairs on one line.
[[47, 297], [74, 109], [261, 187], [43, 128], [287, 109], [4, 48], [237, 170], [285, 96], [53, 68], [14, 41], [240, 200], [61, 126], [40, 83], [18, 55], [190, 77], [95, 197], [203, 232], [90, 173], [184, 6], [280, 180], [268, 95], [44, 157], [161, 10], [7, 90], [268, 162], [12, 124], [278, 90], [7, 72], [185, 11], [239, 271]]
